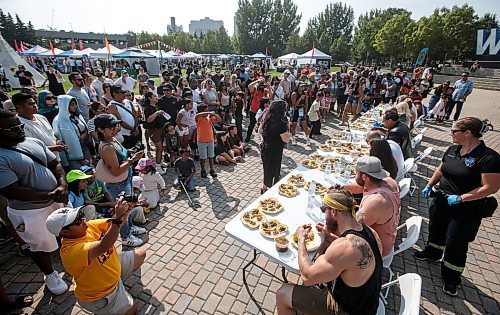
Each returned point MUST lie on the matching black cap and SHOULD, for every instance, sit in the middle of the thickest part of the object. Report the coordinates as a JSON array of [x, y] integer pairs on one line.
[[106, 121], [166, 73], [116, 89], [187, 92]]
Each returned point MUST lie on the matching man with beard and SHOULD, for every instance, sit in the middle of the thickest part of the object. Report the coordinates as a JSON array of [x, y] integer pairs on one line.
[[99, 81], [379, 207], [34, 183], [348, 268], [77, 91]]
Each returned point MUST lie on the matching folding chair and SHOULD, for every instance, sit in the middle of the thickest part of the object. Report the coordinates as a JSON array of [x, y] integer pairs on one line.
[[409, 168], [413, 226], [415, 141], [423, 155], [404, 187], [410, 285]]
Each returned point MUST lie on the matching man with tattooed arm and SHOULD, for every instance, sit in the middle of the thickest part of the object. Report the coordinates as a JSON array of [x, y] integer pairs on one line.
[[346, 276]]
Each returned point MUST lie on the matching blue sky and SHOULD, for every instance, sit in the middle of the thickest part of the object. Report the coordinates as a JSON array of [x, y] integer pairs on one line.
[[154, 15]]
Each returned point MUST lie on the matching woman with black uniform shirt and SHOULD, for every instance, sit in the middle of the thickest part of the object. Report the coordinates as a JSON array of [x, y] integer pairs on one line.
[[155, 122], [468, 174], [275, 135]]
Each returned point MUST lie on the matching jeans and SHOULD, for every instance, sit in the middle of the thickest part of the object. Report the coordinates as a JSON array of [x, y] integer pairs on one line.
[[239, 123], [253, 121], [114, 190], [191, 184]]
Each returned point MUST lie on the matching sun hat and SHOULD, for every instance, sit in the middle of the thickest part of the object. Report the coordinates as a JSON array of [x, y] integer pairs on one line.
[[372, 166], [76, 175], [138, 182], [143, 164]]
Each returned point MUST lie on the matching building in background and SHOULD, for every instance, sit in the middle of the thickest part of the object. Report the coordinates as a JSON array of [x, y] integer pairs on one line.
[[172, 27], [201, 27]]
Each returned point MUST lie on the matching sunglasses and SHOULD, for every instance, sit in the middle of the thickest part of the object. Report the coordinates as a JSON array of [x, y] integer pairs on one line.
[[454, 131], [49, 98], [15, 128], [324, 208], [78, 220]]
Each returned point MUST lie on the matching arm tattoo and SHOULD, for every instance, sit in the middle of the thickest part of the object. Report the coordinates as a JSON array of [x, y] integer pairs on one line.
[[366, 255]]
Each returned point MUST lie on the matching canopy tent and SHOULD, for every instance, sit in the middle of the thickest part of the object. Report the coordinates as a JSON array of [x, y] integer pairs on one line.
[[223, 56], [33, 51], [287, 59], [133, 53], [315, 56], [172, 55], [103, 52], [68, 53], [258, 55], [191, 55], [9, 58], [290, 56], [157, 54], [48, 53], [81, 53]]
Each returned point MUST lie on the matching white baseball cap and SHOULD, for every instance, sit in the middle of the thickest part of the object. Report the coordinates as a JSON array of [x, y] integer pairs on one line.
[[63, 217]]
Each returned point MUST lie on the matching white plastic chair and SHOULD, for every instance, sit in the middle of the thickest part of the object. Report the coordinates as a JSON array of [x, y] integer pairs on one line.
[[410, 285], [416, 140], [418, 123], [404, 187], [423, 155], [413, 226], [423, 130], [409, 168]]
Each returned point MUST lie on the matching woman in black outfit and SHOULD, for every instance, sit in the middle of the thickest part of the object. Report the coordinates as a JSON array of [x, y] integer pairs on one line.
[[275, 134], [468, 174]]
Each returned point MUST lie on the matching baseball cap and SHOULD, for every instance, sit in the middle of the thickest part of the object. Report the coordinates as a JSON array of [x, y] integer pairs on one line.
[[106, 121], [150, 81], [138, 182], [124, 71], [186, 92], [286, 71], [372, 166], [143, 164], [62, 217], [76, 175], [86, 168]]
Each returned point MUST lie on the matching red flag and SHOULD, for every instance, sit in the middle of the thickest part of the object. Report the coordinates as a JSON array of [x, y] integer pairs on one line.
[[314, 44], [80, 43], [107, 45], [52, 48], [73, 46], [15, 46], [22, 46], [266, 53]]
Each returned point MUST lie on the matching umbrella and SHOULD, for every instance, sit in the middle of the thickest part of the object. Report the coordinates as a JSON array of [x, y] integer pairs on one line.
[[133, 54], [33, 51]]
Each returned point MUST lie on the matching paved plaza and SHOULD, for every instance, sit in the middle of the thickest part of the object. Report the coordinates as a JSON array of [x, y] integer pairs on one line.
[[193, 267]]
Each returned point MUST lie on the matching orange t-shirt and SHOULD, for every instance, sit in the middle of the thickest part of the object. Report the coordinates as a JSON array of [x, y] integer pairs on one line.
[[100, 277], [204, 129]]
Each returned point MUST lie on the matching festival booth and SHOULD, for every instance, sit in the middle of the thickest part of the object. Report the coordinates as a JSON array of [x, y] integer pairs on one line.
[[286, 60], [33, 51], [68, 53], [49, 53], [81, 53], [191, 55], [131, 55], [102, 53], [315, 57], [9, 58]]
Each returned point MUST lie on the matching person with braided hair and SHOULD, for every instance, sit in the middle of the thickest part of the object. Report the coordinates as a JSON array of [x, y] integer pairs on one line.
[[469, 172], [346, 276]]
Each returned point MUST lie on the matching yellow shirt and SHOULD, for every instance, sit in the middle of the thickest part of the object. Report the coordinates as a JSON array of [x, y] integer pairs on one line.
[[100, 277]]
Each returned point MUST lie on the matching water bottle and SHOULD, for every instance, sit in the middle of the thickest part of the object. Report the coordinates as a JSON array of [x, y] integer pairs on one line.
[[347, 173], [328, 169], [338, 168], [311, 200]]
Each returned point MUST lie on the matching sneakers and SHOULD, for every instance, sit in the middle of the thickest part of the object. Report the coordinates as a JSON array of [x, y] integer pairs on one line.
[[136, 230], [427, 255], [24, 250], [294, 141], [203, 174], [308, 142], [55, 283], [160, 170], [213, 173], [450, 289], [131, 240]]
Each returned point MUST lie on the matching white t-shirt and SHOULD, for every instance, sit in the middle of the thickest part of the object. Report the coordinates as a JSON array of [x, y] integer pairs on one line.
[[40, 129], [97, 85], [127, 84], [397, 153], [313, 114], [125, 116], [188, 117]]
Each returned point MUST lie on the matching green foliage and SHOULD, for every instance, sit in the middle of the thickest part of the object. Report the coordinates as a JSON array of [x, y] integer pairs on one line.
[[389, 40]]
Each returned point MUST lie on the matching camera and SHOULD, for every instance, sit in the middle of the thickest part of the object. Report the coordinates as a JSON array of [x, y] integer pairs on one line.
[[261, 87], [129, 197]]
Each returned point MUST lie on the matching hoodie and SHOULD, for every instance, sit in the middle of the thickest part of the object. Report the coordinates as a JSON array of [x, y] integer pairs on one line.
[[42, 104], [66, 130]]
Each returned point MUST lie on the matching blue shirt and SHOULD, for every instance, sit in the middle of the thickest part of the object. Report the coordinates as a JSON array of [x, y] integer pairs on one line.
[[76, 200], [461, 88]]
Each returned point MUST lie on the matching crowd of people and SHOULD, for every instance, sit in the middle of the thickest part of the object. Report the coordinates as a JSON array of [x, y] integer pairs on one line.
[[88, 164]]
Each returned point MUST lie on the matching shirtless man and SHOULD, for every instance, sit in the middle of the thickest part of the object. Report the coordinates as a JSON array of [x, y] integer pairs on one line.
[[349, 255], [380, 204]]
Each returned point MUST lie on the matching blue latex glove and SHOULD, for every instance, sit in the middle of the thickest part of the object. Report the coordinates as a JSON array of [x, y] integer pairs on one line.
[[454, 200], [378, 124], [426, 192]]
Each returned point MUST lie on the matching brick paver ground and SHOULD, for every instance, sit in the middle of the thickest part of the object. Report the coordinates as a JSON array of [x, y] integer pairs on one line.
[[193, 267]]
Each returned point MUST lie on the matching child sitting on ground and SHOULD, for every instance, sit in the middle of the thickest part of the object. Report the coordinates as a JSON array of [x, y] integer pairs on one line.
[[141, 206], [237, 145], [440, 109], [223, 152], [77, 182], [171, 143], [97, 195], [185, 170], [151, 181]]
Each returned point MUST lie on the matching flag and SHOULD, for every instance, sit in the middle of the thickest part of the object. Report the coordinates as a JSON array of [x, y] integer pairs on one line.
[[178, 55], [73, 46], [422, 58], [314, 44], [107, 45], [15, 46], [80, 43], [266, 53], [52, 48], [22, 46]]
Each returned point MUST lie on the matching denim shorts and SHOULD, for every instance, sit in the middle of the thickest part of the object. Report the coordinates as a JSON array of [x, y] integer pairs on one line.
[[206, 150], [352, 100]]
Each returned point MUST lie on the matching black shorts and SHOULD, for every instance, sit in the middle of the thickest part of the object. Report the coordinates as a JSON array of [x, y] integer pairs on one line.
[[314, 301], [294, 114]]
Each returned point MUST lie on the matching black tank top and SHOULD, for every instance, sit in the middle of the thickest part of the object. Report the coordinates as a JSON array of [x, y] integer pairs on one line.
[[363, 299]]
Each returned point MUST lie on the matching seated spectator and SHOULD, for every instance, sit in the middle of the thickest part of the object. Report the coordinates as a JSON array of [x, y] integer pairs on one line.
[[185, 170], [379, 207], [223, 152], [397, 132], [237, 145], [89, 255], [77, 183], [152, 180], [346, 276], [96, 193], [397, 154]]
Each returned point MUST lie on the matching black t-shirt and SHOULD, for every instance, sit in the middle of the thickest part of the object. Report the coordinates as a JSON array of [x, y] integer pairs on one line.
[[234, 140], [185, 168], [217, 78], [272, 138], [170, 106], [24, 77], [239, 108], [400, 134], [462, 174], [159, 121], [175, 79]]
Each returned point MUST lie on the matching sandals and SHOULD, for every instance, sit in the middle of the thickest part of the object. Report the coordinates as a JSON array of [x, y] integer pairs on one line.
[[20, 302]]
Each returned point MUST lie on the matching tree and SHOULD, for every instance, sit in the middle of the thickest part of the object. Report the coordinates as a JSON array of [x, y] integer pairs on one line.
[[460, 23], [183, 41], [488, 21], [295, 44], [224, 42], [326, 27], [341, 48], [429, 33], [8, 28], [284, 22], [386, 39]]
